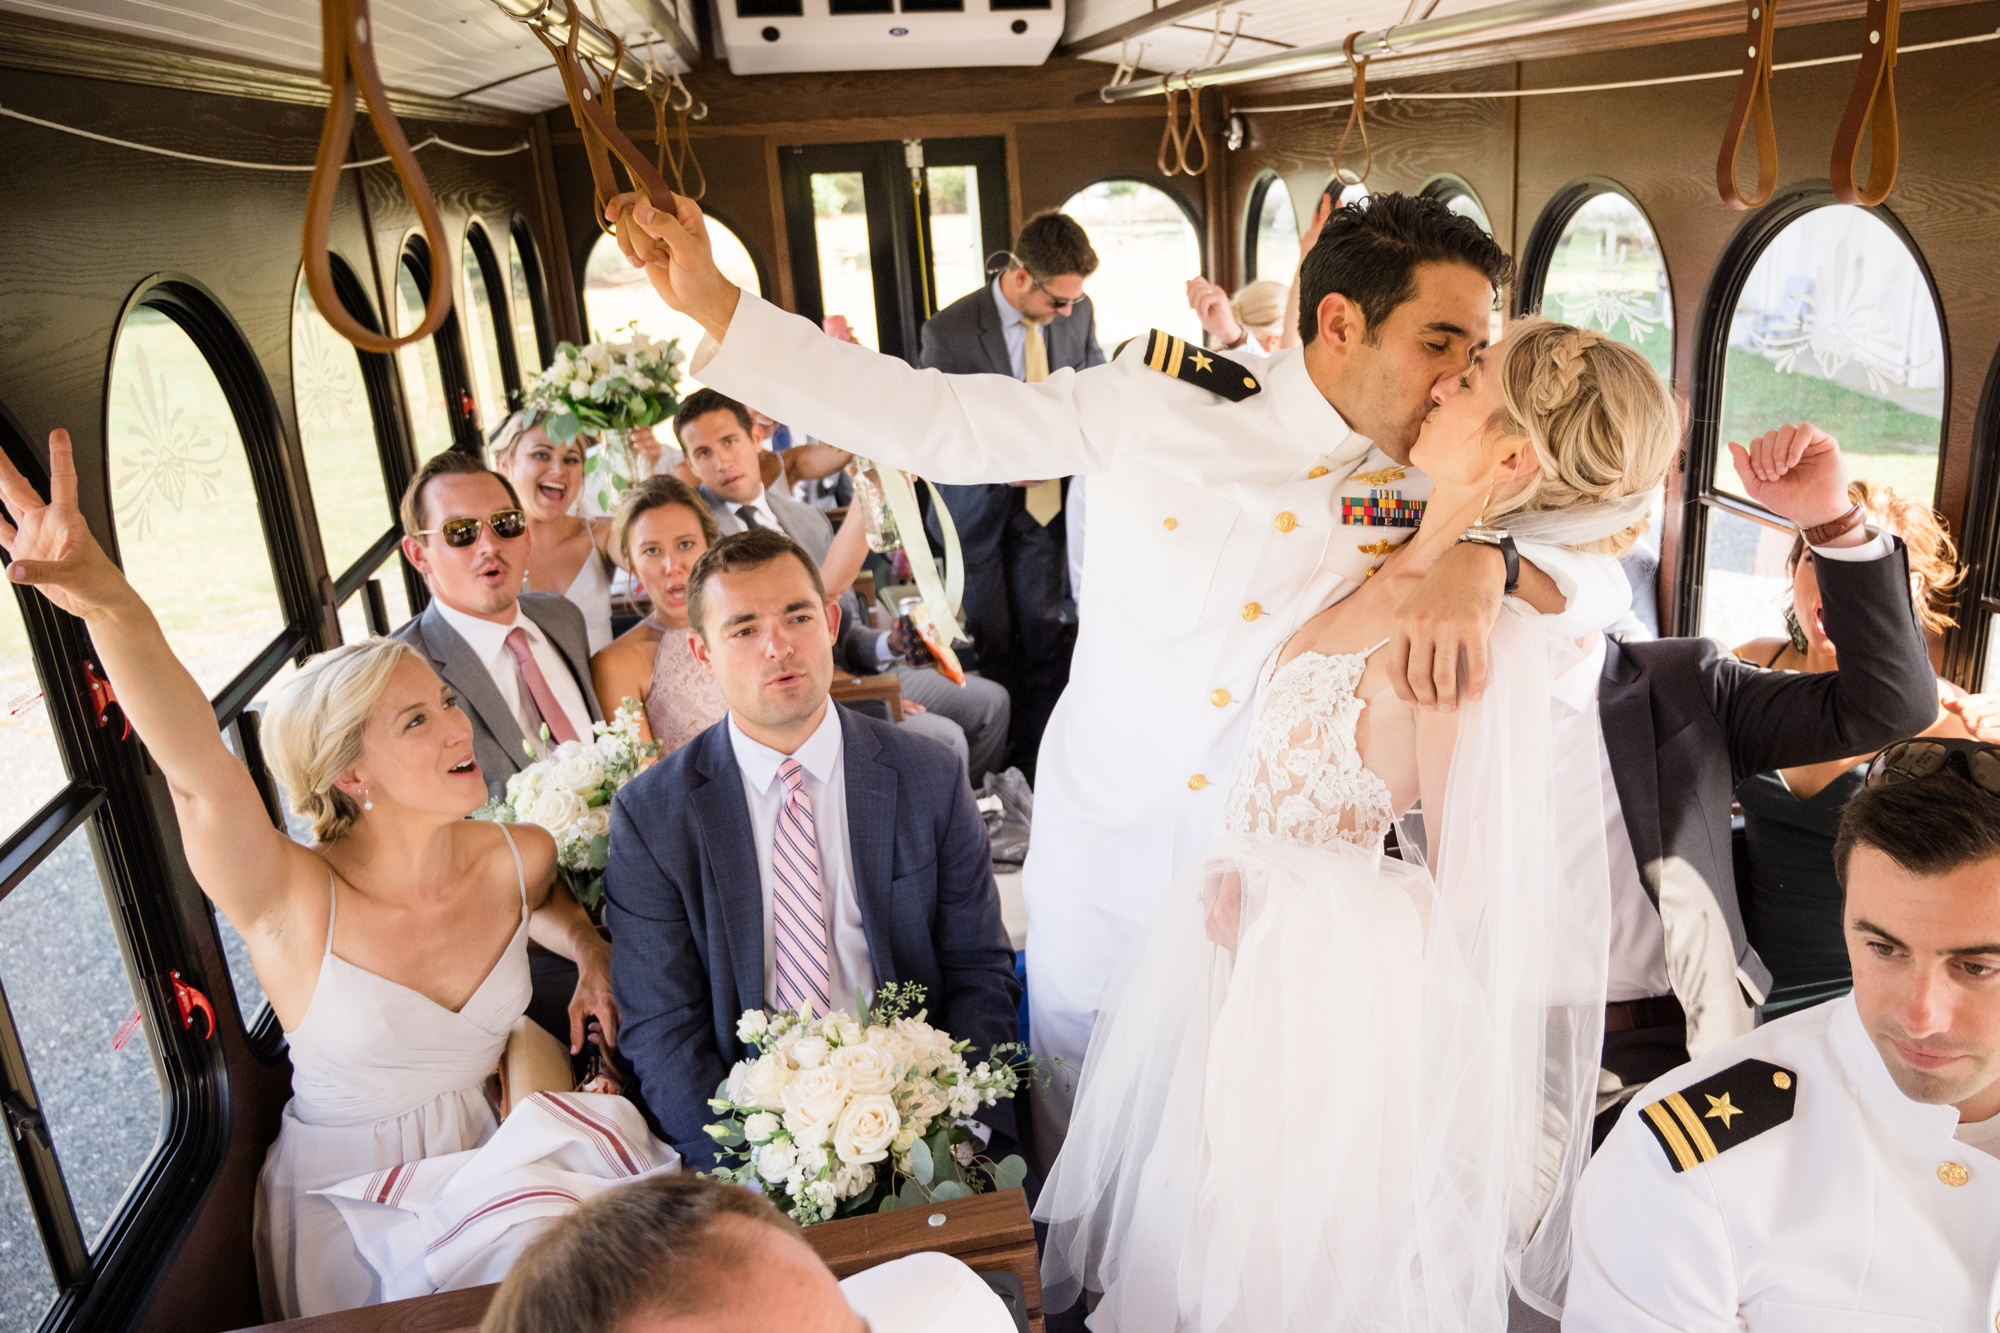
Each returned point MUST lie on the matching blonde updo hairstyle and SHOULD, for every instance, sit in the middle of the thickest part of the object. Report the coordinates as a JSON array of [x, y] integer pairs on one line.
[[313, 728], [1259, 307], [1600, 421]]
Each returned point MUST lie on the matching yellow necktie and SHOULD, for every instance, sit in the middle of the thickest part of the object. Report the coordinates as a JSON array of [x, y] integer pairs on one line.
[[1044, 499]]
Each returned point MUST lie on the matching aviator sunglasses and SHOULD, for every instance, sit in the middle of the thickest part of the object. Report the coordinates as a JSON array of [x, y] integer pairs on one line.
[[507, 524], [1913, 760]]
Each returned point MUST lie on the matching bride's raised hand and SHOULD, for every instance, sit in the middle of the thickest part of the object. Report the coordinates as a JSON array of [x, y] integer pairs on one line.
[[673, 248], [49, 545]]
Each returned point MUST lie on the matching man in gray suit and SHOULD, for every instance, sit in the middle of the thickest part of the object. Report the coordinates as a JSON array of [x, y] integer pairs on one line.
[[517, 661], [1030, 321], [717, 437]]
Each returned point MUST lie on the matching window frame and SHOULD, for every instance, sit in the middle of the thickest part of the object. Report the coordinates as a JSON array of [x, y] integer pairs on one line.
[[461, 408], [1706, 382], [522, 237], [499, 295], [1533, 270], [1253, 220], [1978, 600], [1447, 186]]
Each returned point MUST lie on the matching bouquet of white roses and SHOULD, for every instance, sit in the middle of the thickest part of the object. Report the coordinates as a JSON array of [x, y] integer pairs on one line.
[[837, 1116], [568, 792], [608, 389]]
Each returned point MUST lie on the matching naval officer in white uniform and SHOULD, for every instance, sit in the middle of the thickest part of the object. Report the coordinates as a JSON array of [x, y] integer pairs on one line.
[[1229, 504], [1837, 1170]]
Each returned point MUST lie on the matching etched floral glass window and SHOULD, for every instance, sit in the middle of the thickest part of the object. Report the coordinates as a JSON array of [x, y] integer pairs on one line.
[[1274, 233], [423, 378], [616, 295], [482, 338], [1146, 250], [189, 533], [527, 348], [343, 464], [1607, 273], [1836, 326]]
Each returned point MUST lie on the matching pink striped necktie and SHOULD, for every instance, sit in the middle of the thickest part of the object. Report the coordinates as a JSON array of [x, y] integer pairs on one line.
[[798, 901], [537, 685]]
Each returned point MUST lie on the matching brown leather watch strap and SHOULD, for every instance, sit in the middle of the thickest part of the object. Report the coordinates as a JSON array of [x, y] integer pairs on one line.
[[1871, 106], [1752, 110], [348, 62], [1855, 516], [1357, 117]]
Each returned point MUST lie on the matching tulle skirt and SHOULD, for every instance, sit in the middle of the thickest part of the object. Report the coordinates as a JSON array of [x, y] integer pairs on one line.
[[1276, 1137]]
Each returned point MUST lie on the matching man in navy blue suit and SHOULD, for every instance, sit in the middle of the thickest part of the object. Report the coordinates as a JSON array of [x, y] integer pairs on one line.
[[795, 852]]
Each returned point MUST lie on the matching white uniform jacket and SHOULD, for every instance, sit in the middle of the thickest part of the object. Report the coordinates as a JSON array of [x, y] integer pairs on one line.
[[1215, 530], [1861, 1213]]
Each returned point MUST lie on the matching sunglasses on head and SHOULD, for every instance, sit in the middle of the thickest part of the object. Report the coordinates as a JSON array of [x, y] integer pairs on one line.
[[507, 524], [1927, 756]]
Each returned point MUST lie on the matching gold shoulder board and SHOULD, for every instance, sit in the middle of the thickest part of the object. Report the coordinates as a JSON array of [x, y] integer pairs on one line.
[[1706, 1119], [1211, 370]]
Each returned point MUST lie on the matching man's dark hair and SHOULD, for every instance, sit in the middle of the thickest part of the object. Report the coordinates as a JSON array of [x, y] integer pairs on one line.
[[651, 1247], [1928, 826], [740, 551], [1369, 252], [1052, 245], [703, 401], [450, 463]]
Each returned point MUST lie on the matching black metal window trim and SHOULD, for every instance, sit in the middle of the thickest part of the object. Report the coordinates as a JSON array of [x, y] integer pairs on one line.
[[1253, 220], [1706, 382], [1446, 186], [497, 282], [460, 406], [1965, 658], [523, 238]]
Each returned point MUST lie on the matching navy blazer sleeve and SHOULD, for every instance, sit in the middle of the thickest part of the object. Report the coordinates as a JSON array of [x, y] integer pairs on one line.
[[660, 980]]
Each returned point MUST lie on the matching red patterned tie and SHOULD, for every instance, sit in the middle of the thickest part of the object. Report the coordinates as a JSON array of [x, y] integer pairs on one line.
[[798, 902], [537, 686]]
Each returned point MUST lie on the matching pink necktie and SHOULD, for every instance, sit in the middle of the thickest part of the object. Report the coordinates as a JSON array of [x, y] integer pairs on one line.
[[537, 685], [798, 905]]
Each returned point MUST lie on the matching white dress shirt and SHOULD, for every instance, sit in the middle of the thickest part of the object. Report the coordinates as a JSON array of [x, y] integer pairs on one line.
[[1011, 321], [926, 1292], [823, 759], [488, 640], [762, 505]]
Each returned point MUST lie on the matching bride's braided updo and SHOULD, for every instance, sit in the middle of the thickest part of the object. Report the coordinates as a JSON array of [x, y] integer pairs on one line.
[[1600, 421]]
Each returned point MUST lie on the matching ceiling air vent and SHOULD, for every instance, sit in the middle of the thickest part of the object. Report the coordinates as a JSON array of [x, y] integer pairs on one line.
[[794, 36]]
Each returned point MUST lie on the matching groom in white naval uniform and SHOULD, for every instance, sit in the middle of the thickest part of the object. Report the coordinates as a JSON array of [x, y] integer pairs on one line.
[[1228, 505]]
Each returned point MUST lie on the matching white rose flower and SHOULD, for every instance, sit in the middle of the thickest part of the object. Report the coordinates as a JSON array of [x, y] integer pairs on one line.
[[842, 1028], [810, 1052], [760, 1083], [675, 356], [760, 1127], [895, 1045], [866, 1129], [816, 1095], [870, 1069], [596, 823], [904, 1138], [806, 1133], [754, 1024], [555, 809], [775, 1161]]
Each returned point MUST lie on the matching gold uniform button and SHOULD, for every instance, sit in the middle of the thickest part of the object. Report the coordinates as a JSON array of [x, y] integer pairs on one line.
[[1316, 474], [1220, 698], [1251, 610], [1781, 1080], [1197, 782], [1953, 1174], [1287, 521], [1170, 524]]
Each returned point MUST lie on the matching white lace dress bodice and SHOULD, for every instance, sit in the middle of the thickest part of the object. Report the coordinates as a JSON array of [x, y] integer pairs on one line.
[[1301, 778]]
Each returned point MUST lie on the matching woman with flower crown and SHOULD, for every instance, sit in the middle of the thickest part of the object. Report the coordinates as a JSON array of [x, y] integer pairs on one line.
[[1338, 1090]]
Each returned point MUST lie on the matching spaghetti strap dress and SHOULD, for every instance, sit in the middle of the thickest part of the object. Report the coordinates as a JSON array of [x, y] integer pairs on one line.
[[590, 590]]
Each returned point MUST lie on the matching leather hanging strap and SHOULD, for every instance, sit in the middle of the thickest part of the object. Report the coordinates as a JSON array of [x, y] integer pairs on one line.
[[1871, 106], [1753, 108], [1195, 134], [348, 63], [1172, 157], [1357, 116]]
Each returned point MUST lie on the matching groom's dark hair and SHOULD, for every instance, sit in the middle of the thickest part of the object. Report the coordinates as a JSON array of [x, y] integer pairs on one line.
[[1369, 252]]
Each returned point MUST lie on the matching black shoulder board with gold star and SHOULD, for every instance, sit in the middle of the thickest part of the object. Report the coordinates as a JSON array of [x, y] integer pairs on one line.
[[1704, 1120], [1217, 374]]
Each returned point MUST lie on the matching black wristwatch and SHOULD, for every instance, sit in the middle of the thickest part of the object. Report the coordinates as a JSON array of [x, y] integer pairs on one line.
[[1504, 541]]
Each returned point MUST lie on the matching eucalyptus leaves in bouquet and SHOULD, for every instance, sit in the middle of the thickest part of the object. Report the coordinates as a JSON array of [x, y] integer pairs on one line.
[[607, 390], [837, 1115]]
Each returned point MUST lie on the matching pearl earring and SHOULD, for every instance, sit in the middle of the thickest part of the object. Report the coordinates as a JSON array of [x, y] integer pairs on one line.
[[366, 804]]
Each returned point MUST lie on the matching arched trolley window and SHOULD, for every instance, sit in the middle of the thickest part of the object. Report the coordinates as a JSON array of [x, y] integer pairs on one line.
[[533, 344], [1147, 248], [482, 308], [1821, 312], [1459, 197], [437, 388], [1594, 261], [1270, 232]]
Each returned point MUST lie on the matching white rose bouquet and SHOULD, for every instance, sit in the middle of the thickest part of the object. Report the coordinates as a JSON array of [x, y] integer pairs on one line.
[[837, 1116], [608, 389], [568, 791]]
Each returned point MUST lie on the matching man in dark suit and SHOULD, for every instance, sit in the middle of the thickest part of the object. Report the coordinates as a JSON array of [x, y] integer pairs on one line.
[[794, 853], [517, 661], [718, 440], [1030, 321]]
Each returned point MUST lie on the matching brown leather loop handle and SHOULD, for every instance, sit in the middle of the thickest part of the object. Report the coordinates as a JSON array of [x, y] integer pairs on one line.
[[1753, 108], [1357, 116], [348, 61], [1871, 106], [1172, 157], [1195, 134]]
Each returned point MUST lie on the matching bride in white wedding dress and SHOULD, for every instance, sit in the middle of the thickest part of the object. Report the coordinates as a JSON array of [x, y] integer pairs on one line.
[[1338, 1090]]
